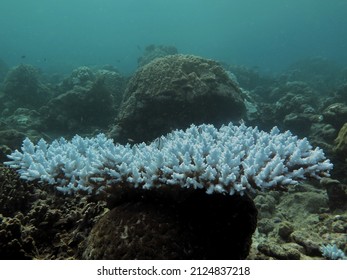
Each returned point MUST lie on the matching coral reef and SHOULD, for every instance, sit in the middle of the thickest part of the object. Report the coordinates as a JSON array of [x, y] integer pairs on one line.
[[324, 134], [15, 127], [82, 76], [87, 101], [36, 223], [335, 114], [23, 88], [173, 92], [296, 103], [295, 224], [183, 177], [84, 102], [11, 138], [115, 83], [289, 105], [24, 119], [79, 109], [170, 92], [320, 73]]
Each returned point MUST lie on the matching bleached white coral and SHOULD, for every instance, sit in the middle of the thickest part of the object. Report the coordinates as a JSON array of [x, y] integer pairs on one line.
[[332, 252], [228, 160]]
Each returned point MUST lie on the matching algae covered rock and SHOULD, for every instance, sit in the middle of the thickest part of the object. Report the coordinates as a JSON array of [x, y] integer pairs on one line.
[[79, 109], [319, 72], [22, 86], [35, 223], [24, 119], [114, 82], [294, 97], [11, 138], [173, 92], [335, 114], [341, 142], [81, 76], [86, 100]]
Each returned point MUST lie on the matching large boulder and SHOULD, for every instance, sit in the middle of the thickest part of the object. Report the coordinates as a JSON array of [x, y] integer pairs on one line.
[[174, 91]]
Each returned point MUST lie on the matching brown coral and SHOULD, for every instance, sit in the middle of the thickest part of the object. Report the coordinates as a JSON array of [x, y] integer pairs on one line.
[[175, 91], [157, 226], [35, 223]]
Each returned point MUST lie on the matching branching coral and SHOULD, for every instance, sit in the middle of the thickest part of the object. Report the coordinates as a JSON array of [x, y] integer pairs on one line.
[[228, 160], [332, 252]]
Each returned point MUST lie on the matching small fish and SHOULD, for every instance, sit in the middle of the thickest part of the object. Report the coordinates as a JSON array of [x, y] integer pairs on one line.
[[131, 140], [23, 56]]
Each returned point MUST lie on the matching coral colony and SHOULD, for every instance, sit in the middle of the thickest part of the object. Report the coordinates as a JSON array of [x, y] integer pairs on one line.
[[332, 252], [228, 160]]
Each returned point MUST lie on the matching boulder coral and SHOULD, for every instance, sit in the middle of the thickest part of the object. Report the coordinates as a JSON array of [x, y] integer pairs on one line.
[[173, 92], [22, 86], [157, 226]]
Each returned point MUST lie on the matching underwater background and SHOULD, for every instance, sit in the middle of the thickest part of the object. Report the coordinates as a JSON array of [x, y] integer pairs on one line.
[[135, 70], [269, 34]]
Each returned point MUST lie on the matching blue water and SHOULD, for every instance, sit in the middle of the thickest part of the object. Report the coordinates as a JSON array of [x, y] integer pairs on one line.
[[59, 35]]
